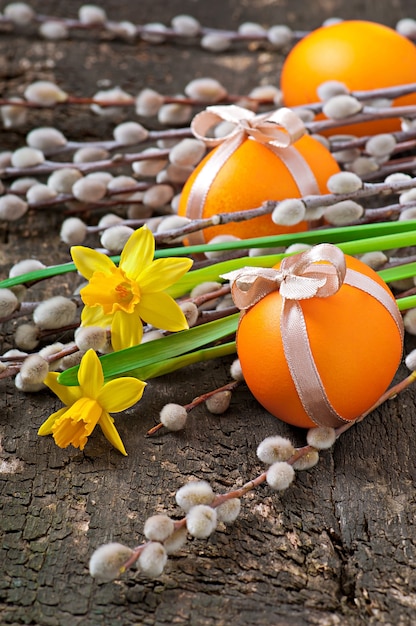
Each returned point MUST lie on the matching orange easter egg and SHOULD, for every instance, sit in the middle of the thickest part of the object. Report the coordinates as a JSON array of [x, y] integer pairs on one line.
[[354, 340], [362, 55], [251, 175]]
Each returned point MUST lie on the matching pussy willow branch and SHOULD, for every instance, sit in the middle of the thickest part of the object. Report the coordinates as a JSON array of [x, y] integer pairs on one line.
[[298, 454]]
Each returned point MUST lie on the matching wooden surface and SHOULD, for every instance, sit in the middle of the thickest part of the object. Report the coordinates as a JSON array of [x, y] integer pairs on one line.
[[337, 548]]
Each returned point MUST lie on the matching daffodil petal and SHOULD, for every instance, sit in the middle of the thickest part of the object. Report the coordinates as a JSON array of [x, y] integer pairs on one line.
[[163, 273], [88, 261], [137, 253], [67, 395], [161, 310], [90, 375], [94, 316], [126, 330], [110, 432], [46, 428], [120, 394]]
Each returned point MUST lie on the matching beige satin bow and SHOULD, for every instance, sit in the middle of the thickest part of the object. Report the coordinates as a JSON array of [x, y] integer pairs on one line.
[[317, 273], [278, 128]]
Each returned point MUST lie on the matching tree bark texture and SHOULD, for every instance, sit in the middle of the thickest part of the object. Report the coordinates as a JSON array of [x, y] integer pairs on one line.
[[337, 548]]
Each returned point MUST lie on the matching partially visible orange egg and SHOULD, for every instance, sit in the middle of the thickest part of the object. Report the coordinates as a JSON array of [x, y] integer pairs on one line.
[[363, 55], [355, 343], [250, 176]]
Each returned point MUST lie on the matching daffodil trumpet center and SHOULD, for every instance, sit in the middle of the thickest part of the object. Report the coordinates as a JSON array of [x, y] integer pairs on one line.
[[113, 292], [77, 423]]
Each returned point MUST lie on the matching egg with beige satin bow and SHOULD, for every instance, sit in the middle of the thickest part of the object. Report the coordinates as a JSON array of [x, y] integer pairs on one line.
[[249, 176], [355, 341]]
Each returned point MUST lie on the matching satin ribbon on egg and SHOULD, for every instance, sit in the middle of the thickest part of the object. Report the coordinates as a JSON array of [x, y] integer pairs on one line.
[[316, 273], [277, 130]]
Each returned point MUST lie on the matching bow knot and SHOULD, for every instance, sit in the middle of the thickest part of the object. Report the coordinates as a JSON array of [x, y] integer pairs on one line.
[[318, 272], [278, 128]]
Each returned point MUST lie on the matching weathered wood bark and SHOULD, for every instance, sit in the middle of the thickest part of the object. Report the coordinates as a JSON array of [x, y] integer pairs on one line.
[[336, 548]]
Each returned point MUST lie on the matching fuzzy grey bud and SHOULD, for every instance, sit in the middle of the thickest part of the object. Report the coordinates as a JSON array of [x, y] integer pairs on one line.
[[12, 207], [34, 369], [152, 559], [236, 371], [306, 461], [46, 139], [190, 310], [380, 145], [363, 165], [343, 213], [207, 90], [219, 402], [289, 212], [89, 190], [88, 154], [27, 157], [53, 30], [193, 493], [215, 42], [321, 438], [107, 561], [158, 527], [375, 259], [158, 195], [26, 336], [19, 13], [173, 416], [229, 510], [91, 15], [73, 231], [8, 303], [341, 106], [174, 114], [279, 36], [62, 180], [45, 93], [116, 237], [115, 95], [186, 25], [274, 449], [331, 88], [13, 115], [55, 312], [26, 387], [344, 182], [176, 540], [39, 194], [87, 337], [187, 152], [130, 133], [407, 27], [153, 32], [201, 521], [410, 360], [149, 167], [280, 475], [25, 266], [148, 102]]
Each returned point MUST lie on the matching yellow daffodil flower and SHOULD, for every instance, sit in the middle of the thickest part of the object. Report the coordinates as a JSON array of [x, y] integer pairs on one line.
[[89, 404], [121, 297]]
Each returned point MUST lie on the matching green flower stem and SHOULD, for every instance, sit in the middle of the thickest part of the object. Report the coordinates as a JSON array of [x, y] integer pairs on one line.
[[171, 365], [325, 235], [151, 353]]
